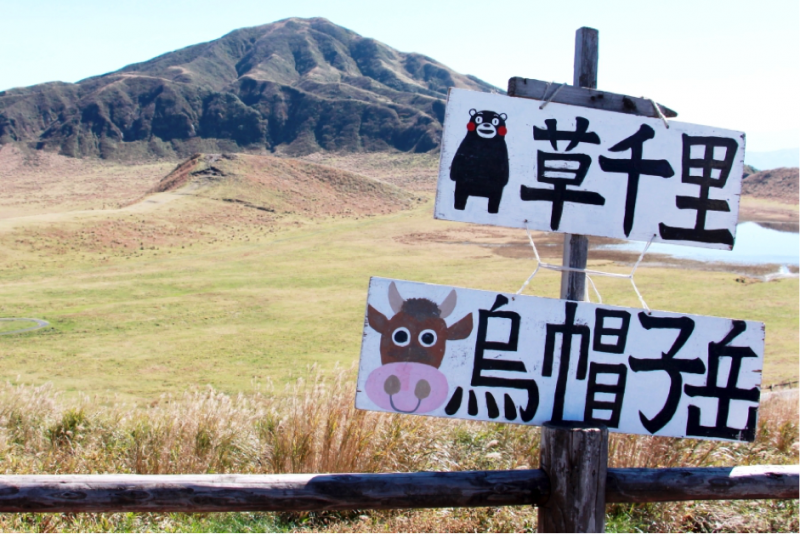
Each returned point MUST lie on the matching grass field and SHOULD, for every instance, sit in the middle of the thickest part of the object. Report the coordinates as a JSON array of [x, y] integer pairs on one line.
[[13, 326], [314, 428], [236, 306]]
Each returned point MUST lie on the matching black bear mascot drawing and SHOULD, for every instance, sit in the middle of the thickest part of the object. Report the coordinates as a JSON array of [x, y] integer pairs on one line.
[[480, 166]]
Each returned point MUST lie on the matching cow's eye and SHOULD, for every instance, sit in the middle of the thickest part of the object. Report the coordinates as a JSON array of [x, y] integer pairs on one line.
[[401, 336], [427, 338]]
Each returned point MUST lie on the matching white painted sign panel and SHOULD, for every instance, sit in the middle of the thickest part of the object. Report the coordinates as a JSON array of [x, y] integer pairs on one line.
[[505, 162], [480, 355]]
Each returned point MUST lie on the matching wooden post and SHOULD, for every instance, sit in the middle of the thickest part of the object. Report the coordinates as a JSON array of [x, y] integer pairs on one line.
[[576, 251], [575, 455], [576, 247]]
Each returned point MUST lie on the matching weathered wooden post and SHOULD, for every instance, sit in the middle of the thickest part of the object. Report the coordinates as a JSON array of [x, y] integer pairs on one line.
[[575, 455], [576, 247], [575, 458]]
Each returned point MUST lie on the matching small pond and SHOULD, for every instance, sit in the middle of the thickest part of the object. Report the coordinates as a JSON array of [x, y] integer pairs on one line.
[[754, 245]]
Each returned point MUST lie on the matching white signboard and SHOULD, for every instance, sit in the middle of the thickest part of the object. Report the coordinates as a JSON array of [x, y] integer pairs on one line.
[[479, 355], [505, 162]]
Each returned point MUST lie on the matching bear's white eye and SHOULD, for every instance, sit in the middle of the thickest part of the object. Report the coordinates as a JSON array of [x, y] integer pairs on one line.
[[401, 337], [478, 120], [495, 121], [427, 338]]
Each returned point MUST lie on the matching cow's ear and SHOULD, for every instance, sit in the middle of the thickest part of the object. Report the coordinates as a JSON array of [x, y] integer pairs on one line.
[[395, 299], [448, 305], [377, 320], [460, 330]]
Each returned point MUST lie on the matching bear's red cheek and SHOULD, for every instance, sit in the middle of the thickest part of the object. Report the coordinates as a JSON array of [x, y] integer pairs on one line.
[[502, 130], [471, 126]]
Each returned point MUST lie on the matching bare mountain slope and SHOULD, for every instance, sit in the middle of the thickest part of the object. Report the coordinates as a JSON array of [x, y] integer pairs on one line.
[[295, 86], [776, 184]]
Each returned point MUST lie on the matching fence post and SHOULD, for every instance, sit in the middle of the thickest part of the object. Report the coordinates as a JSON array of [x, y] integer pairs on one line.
[[575, 457], [573, 454]]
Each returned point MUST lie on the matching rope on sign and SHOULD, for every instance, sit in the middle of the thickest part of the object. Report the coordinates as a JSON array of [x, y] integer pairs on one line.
[[587, 272]]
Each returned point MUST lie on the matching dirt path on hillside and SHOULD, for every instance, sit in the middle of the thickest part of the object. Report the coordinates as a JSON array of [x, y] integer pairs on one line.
[[148, 204]]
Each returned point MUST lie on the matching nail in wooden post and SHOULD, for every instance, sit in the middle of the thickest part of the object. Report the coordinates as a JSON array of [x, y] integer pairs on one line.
[[576, 247], [575, 457]]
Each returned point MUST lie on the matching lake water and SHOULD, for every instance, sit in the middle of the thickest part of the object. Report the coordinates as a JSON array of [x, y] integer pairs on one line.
[[754, 245]]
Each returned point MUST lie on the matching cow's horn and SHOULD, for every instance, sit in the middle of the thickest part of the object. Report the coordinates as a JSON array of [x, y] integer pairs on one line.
[[395, 300], [448, 305]]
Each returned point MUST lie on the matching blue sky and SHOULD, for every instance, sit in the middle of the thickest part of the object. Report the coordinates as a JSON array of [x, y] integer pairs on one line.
[[721, 63]]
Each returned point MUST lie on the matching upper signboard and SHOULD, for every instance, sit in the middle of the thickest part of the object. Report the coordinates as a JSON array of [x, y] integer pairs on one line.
[[506, 162], [486, 356]]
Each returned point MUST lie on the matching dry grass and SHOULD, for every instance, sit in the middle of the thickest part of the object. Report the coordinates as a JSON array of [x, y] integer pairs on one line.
[[35, 182], [313, 428], [414, 172]]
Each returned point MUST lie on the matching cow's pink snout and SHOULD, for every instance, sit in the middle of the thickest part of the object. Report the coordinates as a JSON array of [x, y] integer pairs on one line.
[[407, 387]]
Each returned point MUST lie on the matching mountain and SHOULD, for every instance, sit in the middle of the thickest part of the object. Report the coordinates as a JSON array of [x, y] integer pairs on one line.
[[295, 86], [787, 157], [777, 184]]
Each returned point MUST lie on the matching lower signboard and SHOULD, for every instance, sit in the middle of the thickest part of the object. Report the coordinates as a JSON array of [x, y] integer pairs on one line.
[[486, 356]]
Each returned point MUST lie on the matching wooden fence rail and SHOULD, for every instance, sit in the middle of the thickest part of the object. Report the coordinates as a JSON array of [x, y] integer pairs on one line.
[[253, 493]]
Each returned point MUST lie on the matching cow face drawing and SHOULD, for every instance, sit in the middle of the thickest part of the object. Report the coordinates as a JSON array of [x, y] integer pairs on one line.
[[412, 348]]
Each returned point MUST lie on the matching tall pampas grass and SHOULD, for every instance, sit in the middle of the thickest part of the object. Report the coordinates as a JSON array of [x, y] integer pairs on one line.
[[313, 427]]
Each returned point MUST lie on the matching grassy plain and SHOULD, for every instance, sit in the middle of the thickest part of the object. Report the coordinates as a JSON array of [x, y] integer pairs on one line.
[[13, 326], [248, 306], [175, 292]]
